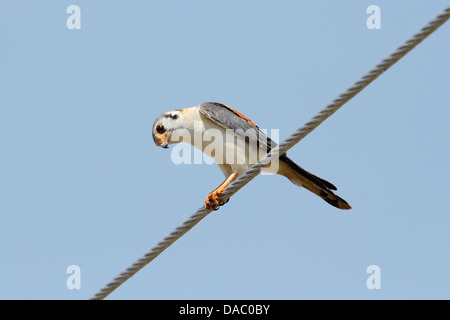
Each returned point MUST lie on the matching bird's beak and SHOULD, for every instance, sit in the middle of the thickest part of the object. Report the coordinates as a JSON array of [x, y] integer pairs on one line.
[[163, 141]]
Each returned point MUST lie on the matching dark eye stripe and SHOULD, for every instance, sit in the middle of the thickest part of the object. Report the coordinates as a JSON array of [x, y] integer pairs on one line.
[[172, 116]]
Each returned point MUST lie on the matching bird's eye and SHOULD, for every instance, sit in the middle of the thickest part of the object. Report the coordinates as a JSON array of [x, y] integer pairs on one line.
[[160, 129]]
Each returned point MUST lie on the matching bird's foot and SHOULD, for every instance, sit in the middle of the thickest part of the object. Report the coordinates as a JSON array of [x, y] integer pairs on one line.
[[213, 201]]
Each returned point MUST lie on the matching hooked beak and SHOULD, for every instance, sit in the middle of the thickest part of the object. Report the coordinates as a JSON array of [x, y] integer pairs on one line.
[[163, 141]]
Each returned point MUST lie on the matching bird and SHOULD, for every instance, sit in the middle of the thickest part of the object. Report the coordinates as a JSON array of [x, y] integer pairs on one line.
[[242, 139]]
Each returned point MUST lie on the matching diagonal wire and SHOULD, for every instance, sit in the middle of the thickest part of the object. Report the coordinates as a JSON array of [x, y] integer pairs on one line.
[[276, 152]]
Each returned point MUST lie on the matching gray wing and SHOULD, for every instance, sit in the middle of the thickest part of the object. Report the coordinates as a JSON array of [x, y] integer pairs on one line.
[[229, 118], [242, 126]]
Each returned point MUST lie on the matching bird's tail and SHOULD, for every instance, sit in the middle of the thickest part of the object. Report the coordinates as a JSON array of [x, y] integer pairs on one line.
[[302, 178]]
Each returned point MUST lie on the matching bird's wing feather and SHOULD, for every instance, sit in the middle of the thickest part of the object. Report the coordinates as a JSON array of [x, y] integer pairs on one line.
[[242, 126]]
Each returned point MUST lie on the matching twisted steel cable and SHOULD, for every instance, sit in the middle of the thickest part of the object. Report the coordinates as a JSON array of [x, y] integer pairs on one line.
[[276, 152]]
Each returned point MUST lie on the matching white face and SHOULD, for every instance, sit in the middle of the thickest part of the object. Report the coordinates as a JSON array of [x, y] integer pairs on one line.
[[163, 127]]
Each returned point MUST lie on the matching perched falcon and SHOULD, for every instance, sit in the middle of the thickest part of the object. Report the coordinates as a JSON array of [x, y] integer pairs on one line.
[[241, 139]]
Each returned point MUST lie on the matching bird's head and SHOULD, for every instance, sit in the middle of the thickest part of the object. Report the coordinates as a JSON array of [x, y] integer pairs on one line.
[[163, 127]]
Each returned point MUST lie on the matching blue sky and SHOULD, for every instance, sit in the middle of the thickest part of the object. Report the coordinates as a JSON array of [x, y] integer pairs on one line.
[[82, 183]]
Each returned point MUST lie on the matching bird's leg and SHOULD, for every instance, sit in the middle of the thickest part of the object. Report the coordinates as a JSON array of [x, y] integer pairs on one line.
[[212, 201]]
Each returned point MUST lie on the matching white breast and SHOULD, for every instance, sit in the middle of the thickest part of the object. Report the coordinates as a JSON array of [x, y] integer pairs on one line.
[[228, 150]]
